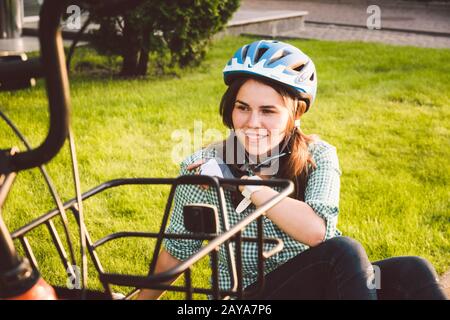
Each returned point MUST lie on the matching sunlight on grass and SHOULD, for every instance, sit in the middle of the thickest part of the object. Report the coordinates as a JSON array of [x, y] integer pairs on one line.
[[385, 108]]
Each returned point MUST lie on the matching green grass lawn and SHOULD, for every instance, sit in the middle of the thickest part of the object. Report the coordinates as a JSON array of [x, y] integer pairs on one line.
[[385, 108]]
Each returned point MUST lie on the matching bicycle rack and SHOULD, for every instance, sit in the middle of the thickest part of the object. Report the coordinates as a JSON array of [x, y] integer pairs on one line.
[[154, 281]]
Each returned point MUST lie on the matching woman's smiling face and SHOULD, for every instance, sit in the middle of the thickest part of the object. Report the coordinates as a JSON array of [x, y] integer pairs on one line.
[[260, 117]]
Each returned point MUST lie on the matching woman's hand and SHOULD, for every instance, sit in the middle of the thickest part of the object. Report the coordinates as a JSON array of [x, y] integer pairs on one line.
[[241, 187], [196, 166]]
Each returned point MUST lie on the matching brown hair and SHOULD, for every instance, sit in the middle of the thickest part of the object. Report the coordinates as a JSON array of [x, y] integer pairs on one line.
[[296, 164]]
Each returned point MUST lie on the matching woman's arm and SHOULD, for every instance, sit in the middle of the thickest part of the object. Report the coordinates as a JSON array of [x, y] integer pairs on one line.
[[294, 217], [164, 263], [313, 220]]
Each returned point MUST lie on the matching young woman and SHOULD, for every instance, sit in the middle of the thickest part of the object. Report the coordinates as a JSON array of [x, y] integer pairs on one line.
[[271, 85]]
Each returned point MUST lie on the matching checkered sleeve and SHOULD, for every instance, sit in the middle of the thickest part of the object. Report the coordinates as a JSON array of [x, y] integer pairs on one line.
[[184, 194], [322, 189]]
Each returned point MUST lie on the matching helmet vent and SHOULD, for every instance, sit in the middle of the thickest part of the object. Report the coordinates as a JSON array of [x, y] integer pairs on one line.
[[312, 77], [279, 55], [299, 68], [244, 52], [260, 53]]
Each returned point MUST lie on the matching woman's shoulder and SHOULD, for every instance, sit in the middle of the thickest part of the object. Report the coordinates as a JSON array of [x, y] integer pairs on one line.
[[321, 149], [319, 145], [204, 153]]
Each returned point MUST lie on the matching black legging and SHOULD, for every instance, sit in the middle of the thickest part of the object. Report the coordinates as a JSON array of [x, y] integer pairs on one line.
[[340, 269]]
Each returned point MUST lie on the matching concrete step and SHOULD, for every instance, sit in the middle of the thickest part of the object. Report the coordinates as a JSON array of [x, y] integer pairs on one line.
[[272, 23]]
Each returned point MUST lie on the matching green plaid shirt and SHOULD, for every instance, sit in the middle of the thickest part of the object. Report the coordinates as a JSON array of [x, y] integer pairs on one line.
[[322, 194]]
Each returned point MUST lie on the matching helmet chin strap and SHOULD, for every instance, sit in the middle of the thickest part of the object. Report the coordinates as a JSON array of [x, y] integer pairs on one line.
[[253, 168]]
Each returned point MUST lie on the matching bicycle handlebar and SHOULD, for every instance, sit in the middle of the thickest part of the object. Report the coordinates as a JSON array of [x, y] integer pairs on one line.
[[53, 68]]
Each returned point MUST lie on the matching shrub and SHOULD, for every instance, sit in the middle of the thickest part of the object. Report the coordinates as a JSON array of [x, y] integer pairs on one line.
[[178, 29]]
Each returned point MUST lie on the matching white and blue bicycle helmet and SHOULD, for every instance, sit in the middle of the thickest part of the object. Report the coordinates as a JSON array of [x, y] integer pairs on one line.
[[276, 61]]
